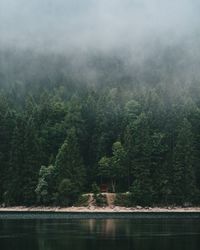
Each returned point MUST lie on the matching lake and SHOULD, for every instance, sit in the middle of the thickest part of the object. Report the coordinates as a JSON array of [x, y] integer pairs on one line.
[[136, 233]]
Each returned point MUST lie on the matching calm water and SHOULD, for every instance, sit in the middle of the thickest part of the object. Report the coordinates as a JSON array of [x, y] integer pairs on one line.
[[91, 234]]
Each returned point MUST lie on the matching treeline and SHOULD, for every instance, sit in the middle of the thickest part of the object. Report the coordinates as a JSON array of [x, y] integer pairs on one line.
[[61, 136]]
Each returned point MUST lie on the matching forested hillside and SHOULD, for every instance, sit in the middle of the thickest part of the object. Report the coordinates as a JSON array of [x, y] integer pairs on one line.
[[69, 121]]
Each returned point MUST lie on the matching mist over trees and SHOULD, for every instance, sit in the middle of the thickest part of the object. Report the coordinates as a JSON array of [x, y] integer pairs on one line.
[[133, 127], [103, 92]]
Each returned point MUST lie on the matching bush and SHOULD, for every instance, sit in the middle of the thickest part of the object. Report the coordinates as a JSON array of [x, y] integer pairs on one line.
[[100, 200], [95, 189], [67, 193], [83, 201], [140, 194], [122, 200], [46, 185]]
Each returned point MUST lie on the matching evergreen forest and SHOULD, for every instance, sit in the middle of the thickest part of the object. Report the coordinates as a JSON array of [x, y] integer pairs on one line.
[[69, 122]]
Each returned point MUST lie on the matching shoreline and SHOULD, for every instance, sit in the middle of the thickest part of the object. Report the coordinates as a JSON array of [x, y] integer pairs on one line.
[[93, 209]]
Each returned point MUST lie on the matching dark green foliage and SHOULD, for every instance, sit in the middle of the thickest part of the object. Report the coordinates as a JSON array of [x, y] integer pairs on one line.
[[114, 168], [184, 188], [100, 199], [123, 200], [139, 147], [95, 190], [16, 162], [69, 163], [136, 130], [68, 193], [82, 201], [7, 124], [46, 187], [141, 193]]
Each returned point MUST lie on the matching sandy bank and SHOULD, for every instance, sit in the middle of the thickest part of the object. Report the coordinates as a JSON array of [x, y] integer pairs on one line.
[[100, 209]]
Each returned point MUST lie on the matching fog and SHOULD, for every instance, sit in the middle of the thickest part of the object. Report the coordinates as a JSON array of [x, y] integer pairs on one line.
[[100, 40], [67, 25], [79, 76]]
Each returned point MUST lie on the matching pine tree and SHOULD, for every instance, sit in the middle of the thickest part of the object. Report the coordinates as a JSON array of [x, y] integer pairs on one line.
[[25, 159], [32, 162], [184, 188], [14, 193], [69, 163], [139, 153], [7, 123]]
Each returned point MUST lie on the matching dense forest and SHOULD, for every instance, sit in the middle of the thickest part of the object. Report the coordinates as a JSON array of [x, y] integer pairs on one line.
[[69, 121]]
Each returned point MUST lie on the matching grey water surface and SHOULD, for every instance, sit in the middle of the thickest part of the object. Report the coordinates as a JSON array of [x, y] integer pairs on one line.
[[136, 233]]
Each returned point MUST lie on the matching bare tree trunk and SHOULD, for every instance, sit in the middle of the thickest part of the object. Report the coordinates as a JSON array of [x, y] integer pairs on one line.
[[113, 183]]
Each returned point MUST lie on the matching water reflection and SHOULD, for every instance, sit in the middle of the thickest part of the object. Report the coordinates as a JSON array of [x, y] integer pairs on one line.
[[134, 234], [104, 227]]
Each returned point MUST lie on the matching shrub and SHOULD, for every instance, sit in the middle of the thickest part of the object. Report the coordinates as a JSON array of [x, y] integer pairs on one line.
[[67, 193], [122, 200], [100, 199], [83, 201]]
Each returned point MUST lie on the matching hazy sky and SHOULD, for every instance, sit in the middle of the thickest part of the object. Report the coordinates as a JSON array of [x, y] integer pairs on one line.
[[103, 24]]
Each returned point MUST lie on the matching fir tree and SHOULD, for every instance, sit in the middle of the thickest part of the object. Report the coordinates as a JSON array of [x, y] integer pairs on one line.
[[139, 152], [184, 189], [69, 163]]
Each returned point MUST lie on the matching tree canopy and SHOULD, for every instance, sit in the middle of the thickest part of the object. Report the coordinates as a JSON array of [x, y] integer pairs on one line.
[[136, 129]]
